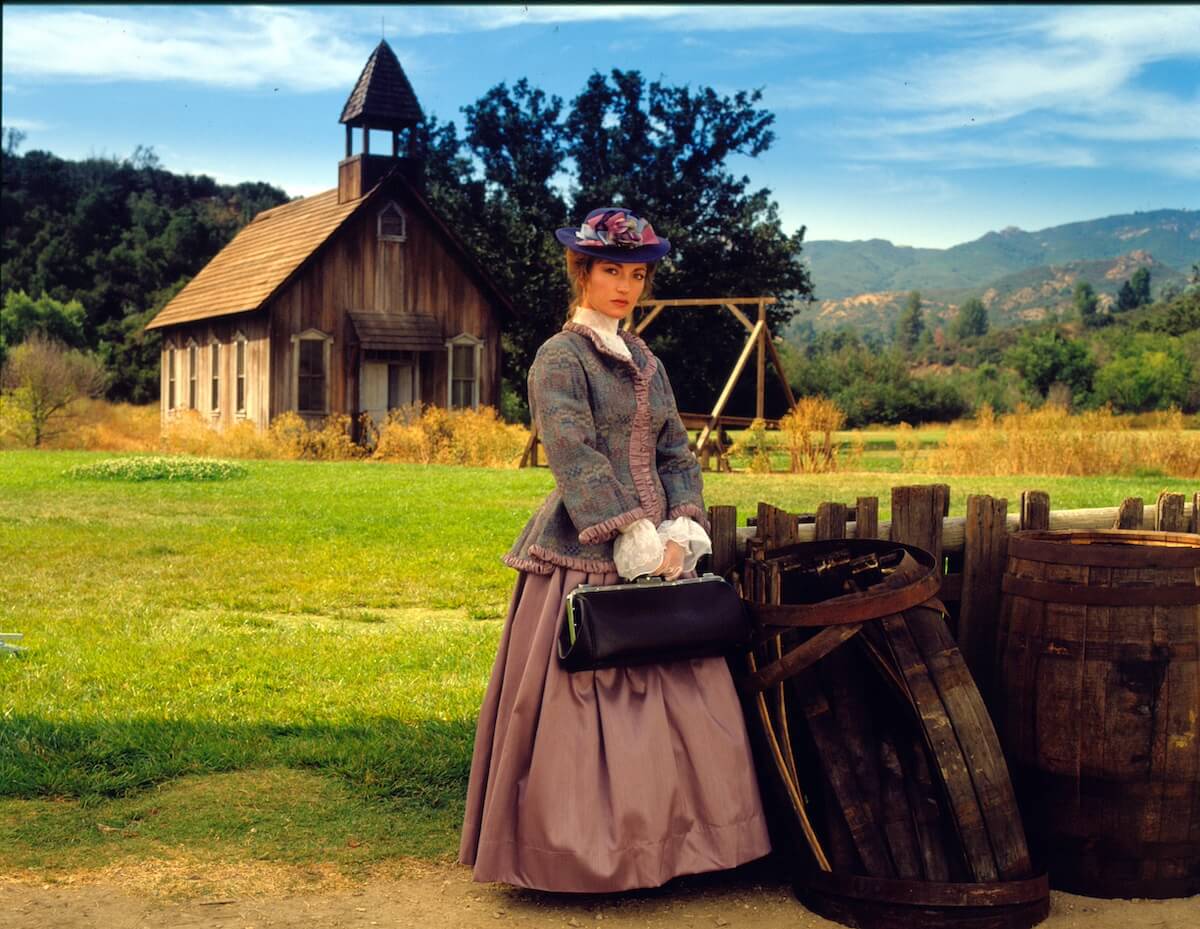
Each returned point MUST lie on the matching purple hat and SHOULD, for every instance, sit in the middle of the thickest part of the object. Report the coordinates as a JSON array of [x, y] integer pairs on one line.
[[615, 234]]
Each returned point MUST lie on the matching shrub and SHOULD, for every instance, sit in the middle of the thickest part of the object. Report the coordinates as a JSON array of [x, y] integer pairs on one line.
[[159, 468], [330, 441], [40, 382], [433, 435], [812, 415], [754, 442], [1052, 441]]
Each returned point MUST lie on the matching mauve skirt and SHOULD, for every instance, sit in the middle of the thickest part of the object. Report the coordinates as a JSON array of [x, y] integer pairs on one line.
[[607, 780]]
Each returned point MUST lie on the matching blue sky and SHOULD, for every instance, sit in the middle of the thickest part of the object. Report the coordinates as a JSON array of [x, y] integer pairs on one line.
[[927, 126]]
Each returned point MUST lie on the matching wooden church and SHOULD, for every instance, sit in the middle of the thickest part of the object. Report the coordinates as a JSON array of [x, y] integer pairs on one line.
[[359, 299]]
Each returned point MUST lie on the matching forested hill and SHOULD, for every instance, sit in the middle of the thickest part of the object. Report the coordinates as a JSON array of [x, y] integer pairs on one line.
[[119, 236], [846, 269]]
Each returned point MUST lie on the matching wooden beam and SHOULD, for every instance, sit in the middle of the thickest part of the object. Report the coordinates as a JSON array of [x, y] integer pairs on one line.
[[647, 319], [745, 320], [787, 388], [708, 301], [760, 384], [728, 389]]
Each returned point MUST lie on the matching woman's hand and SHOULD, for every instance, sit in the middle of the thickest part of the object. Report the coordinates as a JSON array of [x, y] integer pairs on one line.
[[672, 563]]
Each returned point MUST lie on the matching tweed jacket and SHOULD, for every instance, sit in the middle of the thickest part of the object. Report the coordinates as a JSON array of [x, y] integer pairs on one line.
[[615, 444]]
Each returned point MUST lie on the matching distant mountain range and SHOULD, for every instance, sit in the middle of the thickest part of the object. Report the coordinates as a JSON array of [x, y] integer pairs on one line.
[[1020, 276]]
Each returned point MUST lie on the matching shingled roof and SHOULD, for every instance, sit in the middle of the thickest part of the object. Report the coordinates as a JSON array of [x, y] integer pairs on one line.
[[261, 256], [273, 247], [382, 98]]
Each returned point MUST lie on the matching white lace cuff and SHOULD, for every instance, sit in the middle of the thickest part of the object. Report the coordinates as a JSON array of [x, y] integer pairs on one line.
[[638, 549], [690, 535]]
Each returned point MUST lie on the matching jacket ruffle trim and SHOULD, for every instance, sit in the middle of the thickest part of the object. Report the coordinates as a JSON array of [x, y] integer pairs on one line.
[[602, 532], [692, 511], [542, 561], [527, 564], [641, 441]]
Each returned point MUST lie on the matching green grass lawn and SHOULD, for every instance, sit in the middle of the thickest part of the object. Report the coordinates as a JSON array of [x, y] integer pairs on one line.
[[284, 666]]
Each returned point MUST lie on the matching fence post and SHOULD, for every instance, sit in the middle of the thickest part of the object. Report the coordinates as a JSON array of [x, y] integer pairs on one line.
[[866, 518], [1170, 515], [917, 513], [985, 550], [831, 521], [1035, 509], [723, 522], [1130, 514]]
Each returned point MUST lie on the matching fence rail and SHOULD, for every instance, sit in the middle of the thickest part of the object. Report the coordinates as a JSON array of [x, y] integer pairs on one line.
[[971, 550]]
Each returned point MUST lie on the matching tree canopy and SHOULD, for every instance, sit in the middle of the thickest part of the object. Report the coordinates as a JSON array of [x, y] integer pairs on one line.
[[122, 237], [1086, 303], [911, 323], [972, 319], [658, 150], [116, 238]]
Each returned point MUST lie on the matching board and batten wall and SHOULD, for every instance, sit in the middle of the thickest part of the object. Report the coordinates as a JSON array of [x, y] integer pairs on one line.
[[224, 330], [423, 274]]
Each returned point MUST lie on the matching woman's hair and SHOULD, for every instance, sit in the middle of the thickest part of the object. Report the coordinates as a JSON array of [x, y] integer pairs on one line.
[[579, 267]]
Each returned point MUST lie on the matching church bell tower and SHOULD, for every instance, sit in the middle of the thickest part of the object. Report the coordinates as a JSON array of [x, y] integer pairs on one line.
[[382, 99]]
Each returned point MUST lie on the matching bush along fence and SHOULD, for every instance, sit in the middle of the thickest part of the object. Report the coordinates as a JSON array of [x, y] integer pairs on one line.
[[1083, 645]]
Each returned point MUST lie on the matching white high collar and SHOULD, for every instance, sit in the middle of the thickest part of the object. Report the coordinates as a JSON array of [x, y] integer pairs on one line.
[[605, 325]]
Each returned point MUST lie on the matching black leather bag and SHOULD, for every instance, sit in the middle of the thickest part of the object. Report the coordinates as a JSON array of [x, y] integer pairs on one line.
[[649, 621]]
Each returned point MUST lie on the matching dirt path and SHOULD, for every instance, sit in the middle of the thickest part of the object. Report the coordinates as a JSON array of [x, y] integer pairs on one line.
[[444, 897]]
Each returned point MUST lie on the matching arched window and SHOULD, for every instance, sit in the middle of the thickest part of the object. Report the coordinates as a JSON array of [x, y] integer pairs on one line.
[[392, 223], [193, 365], [465, 370], [214, 368], [310, 370], [239, 373]]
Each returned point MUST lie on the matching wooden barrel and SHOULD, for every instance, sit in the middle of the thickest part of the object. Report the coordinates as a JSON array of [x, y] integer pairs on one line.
[[1098, 703]]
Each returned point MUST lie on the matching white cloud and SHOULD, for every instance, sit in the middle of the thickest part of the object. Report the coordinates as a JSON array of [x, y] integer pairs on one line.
[[972, 153], [25, 125], [236, 47], [417, 21], [1044, 92]]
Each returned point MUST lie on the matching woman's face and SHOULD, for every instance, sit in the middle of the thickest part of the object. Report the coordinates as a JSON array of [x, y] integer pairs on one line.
[[613, 287]]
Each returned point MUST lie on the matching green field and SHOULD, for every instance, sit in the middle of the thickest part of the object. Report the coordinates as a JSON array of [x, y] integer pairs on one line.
[[284, 666]]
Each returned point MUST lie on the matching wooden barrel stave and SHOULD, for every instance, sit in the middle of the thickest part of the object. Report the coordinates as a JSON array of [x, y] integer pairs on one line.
[[887, 747]]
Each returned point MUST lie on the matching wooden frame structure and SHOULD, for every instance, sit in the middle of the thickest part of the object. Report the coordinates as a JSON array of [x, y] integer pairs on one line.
[[758, 337]]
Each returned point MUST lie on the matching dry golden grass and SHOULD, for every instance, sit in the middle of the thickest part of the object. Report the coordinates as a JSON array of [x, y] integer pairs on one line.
[[432, 435], [1050, 440], [808, 434], [416, 434]]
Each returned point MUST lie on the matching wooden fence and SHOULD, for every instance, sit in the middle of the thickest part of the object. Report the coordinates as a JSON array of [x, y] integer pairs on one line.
[[971, 550]]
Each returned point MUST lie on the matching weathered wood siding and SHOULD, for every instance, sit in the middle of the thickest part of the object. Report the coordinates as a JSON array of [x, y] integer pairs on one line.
[[224, 330], [356, 271]]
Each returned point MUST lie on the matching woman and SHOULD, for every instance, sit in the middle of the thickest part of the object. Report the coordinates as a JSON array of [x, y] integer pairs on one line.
[[624, 777]]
